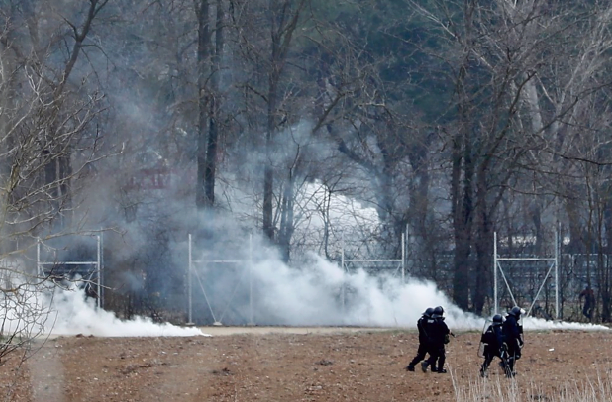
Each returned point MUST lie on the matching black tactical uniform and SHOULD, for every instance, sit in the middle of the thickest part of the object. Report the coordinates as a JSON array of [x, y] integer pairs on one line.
[[513, 339], [439, 334], [589, 301], [492, 339], [424, 340]]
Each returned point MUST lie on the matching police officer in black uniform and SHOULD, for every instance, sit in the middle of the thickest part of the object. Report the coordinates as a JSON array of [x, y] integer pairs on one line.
[[512, 332], [424, 340], [439, 334], [492, 339]]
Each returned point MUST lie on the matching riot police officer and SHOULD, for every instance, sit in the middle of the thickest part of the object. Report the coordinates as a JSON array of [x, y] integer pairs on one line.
[[512, 332], [492, 339], [439, 334], [423, 325]]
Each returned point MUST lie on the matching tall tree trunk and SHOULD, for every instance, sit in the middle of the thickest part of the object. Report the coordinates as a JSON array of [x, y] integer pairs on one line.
[[605, 260], [392, 226], [7, 102], [57, 173], [461, 195], [418, 192], [462, 174], [483, 244], [286, 226], [215, 107], [573, 219], [204, 124], [284, 17], [268, 190]]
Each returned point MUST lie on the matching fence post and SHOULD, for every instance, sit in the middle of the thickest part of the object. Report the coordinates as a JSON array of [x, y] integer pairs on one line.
[[189, 318]]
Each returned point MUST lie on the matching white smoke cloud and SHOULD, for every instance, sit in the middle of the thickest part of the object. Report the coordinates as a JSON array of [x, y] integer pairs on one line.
[[297, 297], [34, 312], [323, 295], [29, 309], [319, 293], [535, 324], [70, 313]]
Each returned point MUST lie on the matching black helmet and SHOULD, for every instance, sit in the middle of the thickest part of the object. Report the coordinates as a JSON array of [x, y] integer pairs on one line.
[[498, 319], [438, 312], [428, 313], [516, 311]]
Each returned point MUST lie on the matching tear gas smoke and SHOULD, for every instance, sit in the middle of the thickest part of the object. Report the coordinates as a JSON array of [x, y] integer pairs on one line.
[[534, 324], [321, 294], [68, 312], [30, 309], [285, 296], [71, 313], [317, 293]]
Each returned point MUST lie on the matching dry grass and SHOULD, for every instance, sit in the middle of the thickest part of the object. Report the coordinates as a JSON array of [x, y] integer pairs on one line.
[[500, 389]]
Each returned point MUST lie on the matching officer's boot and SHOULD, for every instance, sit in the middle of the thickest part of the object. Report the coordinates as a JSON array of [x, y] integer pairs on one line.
[[509, 368], [441, 362]]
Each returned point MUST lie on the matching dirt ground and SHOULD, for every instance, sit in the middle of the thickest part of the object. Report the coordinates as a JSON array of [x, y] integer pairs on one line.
[[330, 364]]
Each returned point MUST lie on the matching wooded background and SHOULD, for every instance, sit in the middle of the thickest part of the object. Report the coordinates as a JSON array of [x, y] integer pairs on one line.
[[441, 121]]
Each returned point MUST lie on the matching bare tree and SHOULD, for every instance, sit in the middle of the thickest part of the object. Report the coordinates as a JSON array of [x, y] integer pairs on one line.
[[48, 143], [268, 92], [210, 53], [508, 58]]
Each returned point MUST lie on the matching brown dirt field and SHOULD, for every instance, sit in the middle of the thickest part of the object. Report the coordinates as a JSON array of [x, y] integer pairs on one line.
[[265, 365]]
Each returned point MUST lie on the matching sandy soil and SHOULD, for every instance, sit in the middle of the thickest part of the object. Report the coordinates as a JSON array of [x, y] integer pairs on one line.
[[288, 364]]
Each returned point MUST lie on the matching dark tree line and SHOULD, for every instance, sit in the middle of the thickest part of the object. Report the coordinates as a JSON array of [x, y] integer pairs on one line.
[[451, 120]]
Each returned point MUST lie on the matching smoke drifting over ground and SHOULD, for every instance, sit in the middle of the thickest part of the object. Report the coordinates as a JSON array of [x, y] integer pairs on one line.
[[71, 313], [321, 294], [262, 290], [531, 323], [313, 297]]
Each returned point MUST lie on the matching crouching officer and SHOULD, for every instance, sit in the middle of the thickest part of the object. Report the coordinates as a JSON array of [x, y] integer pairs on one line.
[[440, 336], [512, 332], [492, 339], [423, 325]]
